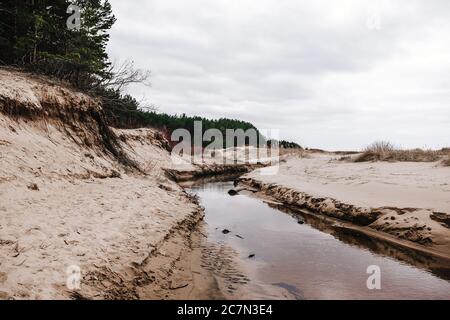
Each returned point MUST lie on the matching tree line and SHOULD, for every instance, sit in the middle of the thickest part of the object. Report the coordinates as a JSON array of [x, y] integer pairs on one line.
[[34, 35]]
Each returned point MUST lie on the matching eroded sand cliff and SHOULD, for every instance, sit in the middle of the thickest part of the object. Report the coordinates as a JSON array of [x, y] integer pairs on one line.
[[74, 192]]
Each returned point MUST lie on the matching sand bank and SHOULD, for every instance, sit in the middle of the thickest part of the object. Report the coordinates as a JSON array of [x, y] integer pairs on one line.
[[407, 201], [77, 194]]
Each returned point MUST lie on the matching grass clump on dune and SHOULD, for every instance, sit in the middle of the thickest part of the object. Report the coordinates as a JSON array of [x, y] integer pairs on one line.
[[386, 151]]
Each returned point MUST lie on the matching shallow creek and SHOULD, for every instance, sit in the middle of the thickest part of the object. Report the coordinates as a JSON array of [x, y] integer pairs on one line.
[[303, 257]]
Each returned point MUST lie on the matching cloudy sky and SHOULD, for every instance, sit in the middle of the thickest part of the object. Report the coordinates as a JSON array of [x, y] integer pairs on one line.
[[328, 74]]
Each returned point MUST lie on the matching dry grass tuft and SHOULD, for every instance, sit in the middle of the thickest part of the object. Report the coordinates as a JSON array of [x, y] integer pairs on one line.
[[385, 151], [301, 153], [446, 162]]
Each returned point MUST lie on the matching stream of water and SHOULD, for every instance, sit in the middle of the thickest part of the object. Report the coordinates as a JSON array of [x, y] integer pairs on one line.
[[306, 257]]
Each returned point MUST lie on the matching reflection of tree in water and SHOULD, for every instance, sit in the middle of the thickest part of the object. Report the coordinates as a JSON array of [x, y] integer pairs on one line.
[[438, 267]]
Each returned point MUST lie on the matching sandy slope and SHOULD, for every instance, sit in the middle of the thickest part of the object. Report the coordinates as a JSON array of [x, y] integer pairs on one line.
[[408, 200], [65, 199]]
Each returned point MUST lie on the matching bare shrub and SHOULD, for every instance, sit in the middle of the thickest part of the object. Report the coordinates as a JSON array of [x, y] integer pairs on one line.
[[125, 74]]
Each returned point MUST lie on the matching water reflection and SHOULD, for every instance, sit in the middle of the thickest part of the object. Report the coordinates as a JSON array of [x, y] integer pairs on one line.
[[315, 259], [422, 260]]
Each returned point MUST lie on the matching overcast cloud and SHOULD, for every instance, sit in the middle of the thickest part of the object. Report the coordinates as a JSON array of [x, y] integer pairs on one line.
[[328, 74]]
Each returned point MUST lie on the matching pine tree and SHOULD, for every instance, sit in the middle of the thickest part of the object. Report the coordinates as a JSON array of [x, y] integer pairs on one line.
[[34, 34]]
